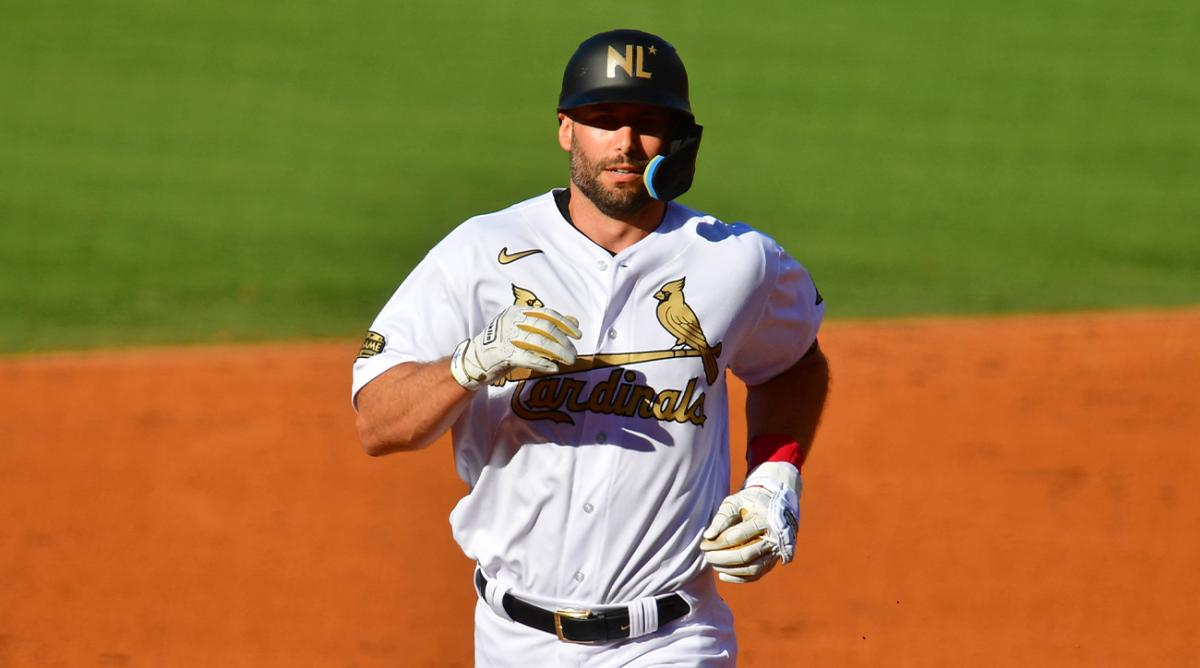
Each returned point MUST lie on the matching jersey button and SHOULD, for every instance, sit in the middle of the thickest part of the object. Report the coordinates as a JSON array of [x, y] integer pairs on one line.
[[602, 265], [601, 437], [588, 507], [612, 333], [579, 576]]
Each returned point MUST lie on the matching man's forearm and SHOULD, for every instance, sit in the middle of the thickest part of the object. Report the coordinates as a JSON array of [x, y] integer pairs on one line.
[[792, 402], [408, 407], [782, 416]]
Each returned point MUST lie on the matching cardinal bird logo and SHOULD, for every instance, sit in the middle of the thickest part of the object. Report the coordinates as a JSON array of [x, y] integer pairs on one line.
[[525, 297], [681, 322]]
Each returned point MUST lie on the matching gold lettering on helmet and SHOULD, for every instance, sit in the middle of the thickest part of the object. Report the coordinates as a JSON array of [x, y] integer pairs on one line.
[[615, 60], [633, 62], [641, 64]]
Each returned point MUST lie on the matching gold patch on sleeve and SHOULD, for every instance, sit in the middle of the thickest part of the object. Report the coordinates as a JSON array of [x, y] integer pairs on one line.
[[372, 345]]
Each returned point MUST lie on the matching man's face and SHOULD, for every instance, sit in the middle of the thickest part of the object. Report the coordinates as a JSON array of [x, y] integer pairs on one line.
[[610, 146]]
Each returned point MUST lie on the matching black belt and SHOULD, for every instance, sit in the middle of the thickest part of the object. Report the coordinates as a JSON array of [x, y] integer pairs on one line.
[[582, 626]]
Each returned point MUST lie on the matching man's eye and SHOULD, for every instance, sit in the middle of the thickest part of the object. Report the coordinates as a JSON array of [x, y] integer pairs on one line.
[[652, 126], [606, 122]]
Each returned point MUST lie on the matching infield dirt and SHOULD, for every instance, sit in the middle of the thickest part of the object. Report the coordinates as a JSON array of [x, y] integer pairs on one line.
[[983, 492]]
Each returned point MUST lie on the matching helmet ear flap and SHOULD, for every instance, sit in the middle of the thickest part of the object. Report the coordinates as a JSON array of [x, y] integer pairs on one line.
[[669, 176]]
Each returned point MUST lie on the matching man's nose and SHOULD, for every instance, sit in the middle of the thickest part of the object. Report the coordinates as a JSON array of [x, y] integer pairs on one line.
[[624, 138]]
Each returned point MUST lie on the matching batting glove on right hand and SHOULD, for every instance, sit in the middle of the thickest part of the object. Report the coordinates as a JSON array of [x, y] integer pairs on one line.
[[755, 528], [520, 336]]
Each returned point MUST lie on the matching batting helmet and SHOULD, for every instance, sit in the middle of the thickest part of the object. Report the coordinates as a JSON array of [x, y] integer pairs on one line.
[[637, 67], [625, 66]]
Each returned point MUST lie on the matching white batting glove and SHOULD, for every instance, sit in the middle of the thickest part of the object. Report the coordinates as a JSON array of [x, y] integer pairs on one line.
[[755, 528], [520, 336]]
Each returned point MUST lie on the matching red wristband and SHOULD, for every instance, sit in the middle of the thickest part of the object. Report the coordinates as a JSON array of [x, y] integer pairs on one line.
[[775, 448]]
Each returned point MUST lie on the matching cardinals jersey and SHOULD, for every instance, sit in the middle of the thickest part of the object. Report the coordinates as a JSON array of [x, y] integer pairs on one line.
[[592, 486]]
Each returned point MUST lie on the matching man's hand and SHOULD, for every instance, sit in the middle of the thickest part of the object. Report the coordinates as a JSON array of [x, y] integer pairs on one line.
[[756, 527], [520, 336]]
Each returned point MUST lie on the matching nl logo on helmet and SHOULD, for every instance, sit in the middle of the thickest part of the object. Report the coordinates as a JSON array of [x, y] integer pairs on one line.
[[633, 62]]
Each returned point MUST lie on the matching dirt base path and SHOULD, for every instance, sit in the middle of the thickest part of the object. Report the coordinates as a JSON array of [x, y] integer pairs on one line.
[[989, 492]]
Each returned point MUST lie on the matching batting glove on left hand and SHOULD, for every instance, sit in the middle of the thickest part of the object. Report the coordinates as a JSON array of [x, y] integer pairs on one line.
[[755, 528]]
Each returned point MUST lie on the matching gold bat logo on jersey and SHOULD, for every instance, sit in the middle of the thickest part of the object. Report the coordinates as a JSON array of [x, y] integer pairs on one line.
[[673, 314], [506, 258], [620, 393], [633, 62]]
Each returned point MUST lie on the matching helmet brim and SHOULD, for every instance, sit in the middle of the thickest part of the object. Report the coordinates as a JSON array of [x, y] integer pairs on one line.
[[625, 94]]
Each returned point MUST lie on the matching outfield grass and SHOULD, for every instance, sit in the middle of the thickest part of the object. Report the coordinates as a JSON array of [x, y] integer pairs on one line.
[[196, 171]]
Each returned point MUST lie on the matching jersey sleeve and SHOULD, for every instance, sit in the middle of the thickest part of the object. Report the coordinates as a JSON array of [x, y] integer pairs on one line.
[[790, 314], [422, 322]]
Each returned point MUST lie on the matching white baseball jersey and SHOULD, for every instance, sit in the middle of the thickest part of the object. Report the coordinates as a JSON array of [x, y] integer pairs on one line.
[[593, 486]]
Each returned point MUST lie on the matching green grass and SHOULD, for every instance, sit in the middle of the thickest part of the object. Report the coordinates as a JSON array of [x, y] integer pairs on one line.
[[192, 171]]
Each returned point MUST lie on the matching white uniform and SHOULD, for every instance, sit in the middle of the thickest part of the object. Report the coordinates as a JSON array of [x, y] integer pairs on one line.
[[592, 488]]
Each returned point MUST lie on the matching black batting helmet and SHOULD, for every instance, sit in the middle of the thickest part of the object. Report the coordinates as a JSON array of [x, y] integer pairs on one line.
[[625, 66]]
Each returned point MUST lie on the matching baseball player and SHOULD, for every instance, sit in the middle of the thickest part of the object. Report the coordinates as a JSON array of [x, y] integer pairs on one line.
[[576, 345]]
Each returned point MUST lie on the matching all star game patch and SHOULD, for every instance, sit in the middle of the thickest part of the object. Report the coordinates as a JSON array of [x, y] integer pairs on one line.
[[372, 345]]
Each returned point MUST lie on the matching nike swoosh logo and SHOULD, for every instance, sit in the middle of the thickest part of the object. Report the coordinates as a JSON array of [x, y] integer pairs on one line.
[[625, 627], [505, 258]]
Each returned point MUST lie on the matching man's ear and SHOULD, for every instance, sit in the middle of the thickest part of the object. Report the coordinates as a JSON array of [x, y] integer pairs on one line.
[[565, 131]]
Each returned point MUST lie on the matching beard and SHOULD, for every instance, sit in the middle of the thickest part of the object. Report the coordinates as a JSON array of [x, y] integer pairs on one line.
[[619, 202]]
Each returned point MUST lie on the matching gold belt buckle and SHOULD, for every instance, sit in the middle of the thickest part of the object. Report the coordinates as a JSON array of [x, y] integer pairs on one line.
[[570, 614]]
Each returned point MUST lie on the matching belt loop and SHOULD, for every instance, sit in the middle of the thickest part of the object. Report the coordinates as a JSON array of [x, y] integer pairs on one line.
[[493, 594], [643, 616]]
